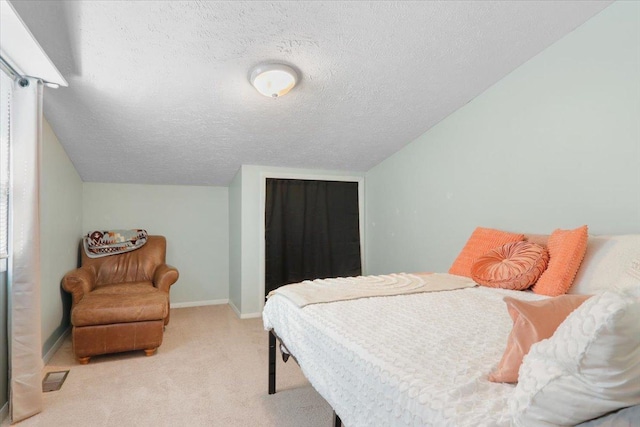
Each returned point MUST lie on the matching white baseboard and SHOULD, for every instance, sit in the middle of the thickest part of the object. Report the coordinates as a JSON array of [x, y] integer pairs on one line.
[[4, 412], [243, 315], [250, 315], [199, 303], [235, 309], [49, 354]]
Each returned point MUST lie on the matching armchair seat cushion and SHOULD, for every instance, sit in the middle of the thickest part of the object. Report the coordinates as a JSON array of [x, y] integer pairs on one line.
[[106, 308], [124, 288]]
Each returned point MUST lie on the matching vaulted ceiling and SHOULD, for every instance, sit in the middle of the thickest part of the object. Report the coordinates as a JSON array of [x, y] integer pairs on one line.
[[158, 90]]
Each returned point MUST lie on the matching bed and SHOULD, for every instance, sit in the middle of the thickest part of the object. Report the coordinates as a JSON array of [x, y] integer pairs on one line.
[[416, 359]]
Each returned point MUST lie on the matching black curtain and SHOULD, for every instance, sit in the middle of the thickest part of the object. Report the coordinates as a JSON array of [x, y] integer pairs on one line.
[[311, 231]]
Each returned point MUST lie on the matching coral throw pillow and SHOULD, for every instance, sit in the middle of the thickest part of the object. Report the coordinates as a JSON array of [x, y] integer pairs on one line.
[[513, 266], [482, 240], [566, 251], [533, 321]]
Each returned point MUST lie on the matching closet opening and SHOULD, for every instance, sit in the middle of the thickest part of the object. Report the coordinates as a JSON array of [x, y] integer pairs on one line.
[[312, 230]]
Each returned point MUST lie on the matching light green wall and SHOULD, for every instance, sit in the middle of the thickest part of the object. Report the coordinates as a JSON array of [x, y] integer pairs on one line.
[[195, 221], [250, 241], [555, 144], [235, 242], [251, 181], [60, 232]]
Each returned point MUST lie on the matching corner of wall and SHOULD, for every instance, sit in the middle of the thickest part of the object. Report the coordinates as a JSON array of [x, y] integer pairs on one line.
[[235, 243]]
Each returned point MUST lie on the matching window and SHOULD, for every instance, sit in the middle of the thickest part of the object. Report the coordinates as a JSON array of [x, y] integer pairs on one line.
[[6, 84]]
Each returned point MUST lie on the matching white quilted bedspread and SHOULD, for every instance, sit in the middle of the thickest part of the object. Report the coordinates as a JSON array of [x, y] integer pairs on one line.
[[414, 360]]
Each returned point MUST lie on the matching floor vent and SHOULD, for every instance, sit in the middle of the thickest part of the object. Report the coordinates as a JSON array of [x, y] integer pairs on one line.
[[53, 380]]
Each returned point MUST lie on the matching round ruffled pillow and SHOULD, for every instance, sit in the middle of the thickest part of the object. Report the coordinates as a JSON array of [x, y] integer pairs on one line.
[[514, 266]]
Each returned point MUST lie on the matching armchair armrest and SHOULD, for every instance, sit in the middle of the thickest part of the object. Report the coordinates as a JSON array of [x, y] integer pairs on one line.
[[165, 276], [79, 282]]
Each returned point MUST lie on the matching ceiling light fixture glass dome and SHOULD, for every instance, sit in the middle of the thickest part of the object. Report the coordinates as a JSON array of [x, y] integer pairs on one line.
[[273, 80]]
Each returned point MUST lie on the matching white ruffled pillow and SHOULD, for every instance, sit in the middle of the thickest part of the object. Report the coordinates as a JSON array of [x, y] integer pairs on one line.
[[589, 367]]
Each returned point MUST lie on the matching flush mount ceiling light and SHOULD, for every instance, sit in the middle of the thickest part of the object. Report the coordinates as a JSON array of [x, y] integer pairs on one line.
[[273, 80]]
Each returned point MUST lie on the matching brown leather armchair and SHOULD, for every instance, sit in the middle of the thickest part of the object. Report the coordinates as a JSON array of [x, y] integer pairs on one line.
[[120, 302]]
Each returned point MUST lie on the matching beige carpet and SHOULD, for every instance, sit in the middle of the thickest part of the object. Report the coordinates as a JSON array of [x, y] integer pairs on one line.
[[211, 370]]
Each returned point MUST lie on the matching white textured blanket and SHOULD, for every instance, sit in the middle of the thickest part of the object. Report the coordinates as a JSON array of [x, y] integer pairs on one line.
[[348, 288], [410, 360]]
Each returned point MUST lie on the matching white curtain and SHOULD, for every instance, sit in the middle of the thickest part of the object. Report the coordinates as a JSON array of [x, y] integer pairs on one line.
[[25, 345]]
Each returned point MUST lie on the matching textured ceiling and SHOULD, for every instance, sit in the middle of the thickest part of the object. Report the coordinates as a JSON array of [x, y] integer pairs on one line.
[[158, 90]]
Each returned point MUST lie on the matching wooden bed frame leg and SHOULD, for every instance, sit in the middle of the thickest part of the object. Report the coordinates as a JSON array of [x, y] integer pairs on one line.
[[337, 422], [272, 363]]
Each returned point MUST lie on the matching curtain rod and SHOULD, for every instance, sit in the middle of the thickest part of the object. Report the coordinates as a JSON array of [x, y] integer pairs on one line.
[[7, 68], [22, 80]]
